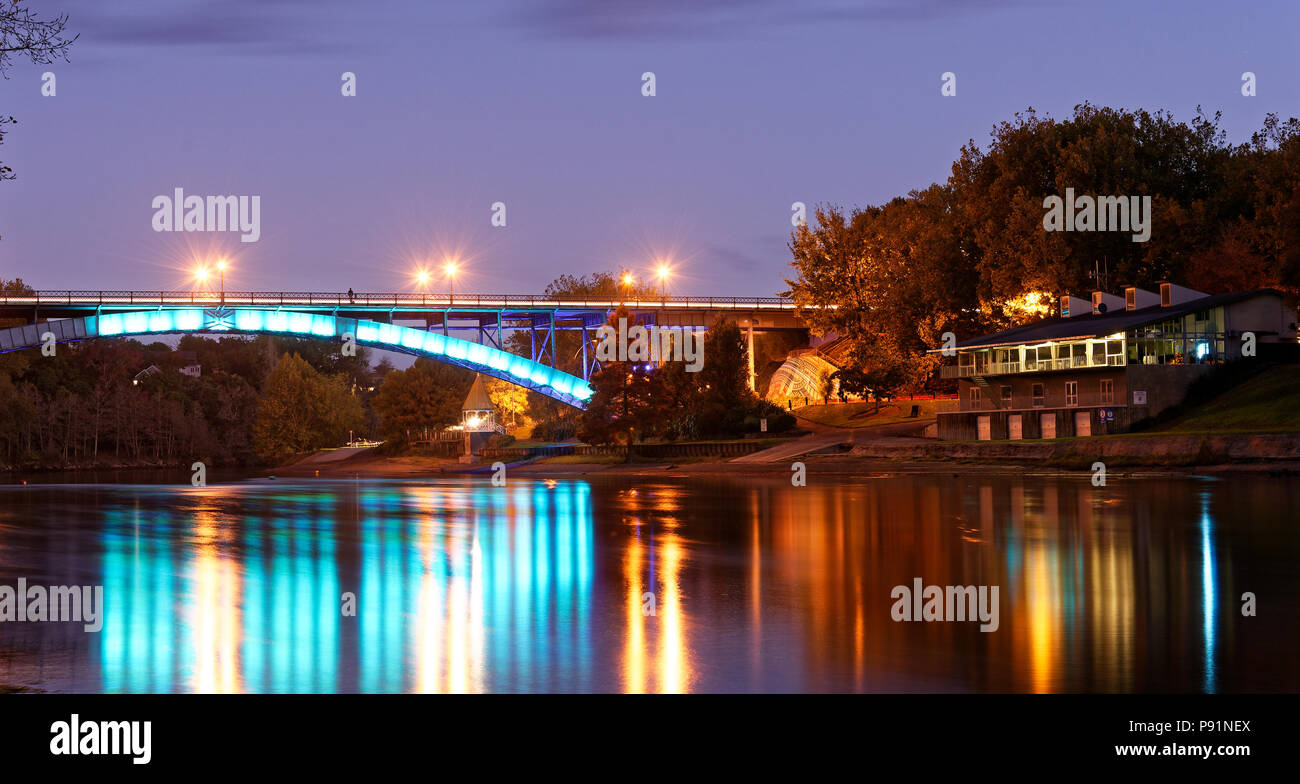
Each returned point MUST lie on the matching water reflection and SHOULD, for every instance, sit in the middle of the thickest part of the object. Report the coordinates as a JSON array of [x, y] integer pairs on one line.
[[257, 602], [1209, 590], [655, 652], [632, 585]]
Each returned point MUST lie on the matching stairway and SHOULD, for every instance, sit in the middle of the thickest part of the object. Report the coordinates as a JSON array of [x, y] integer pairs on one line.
[[986, 391]]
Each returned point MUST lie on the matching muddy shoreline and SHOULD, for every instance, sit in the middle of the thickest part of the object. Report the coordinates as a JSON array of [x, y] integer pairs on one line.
[[826, 465]]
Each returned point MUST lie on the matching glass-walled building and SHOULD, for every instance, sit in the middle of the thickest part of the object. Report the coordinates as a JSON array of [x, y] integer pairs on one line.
[[1100, 371]]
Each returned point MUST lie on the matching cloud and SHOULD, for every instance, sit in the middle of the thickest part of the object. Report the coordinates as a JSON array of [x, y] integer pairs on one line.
[[654, 19], [731, 258], [246, 25]]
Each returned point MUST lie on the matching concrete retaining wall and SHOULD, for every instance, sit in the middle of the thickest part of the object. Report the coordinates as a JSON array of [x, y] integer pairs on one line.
[[1147, 450]]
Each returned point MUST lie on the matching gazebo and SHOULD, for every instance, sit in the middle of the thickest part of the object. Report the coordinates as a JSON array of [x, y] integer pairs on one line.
[[478, 417], [478, 413]]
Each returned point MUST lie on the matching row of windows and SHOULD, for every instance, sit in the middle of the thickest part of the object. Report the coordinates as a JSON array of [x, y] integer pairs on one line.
[[1038, 394]]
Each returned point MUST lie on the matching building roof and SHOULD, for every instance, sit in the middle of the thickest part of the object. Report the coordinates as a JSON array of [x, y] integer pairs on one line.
[[477, 399], [1100, 325]]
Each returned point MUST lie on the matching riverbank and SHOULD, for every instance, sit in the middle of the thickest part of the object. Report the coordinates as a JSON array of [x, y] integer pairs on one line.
[[830, 452], [1153, 450], [859, 462]]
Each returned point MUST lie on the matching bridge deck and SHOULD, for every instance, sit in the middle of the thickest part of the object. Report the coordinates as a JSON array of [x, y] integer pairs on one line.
[[762, 313], [384, 301]]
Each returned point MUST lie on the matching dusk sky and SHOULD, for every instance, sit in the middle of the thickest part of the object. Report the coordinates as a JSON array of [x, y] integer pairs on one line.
[[539, 105]]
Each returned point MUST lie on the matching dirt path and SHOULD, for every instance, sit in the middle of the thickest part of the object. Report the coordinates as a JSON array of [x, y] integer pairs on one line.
[[825, 436]]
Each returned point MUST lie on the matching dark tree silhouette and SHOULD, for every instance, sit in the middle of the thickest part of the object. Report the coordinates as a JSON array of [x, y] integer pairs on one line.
[[41, 40]]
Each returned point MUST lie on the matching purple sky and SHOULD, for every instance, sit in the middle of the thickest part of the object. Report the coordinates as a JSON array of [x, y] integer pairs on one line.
[[538, 104]]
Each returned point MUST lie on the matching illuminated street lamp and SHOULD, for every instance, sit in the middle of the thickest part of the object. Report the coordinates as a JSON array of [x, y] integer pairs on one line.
[[450, 268], [627, 281], [201, 275], [422, 278], [663, 279], [221, 268]]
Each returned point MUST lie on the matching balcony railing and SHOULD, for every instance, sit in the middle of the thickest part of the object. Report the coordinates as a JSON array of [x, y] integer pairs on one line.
[[1028, 402], [1030, 366]]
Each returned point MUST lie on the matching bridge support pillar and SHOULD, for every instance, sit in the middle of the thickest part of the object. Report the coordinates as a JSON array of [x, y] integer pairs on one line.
[[586, 370]]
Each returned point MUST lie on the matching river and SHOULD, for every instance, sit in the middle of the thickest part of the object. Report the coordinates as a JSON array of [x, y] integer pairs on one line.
[[636, 584]]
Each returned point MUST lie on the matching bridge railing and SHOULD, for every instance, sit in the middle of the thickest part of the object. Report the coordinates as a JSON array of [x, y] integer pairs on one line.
[[372, 299]]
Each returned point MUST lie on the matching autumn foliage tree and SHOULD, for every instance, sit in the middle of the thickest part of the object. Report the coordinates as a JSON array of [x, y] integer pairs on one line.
[[421, 400], [639, 400], [622, 406], [510, 400], [971, 255], [554, 420], [302, 410]]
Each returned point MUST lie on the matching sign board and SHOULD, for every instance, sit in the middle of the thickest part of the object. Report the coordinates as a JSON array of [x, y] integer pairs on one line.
[[762, 424], [1139, 397]]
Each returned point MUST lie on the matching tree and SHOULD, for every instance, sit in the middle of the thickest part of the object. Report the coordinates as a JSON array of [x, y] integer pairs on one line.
[[677, 395], [971, 255], [42, 41], [634, 401], [602, 286], [621, 408], [724, 394], [302, 410], [556, 421], [1182, 167], [622, 404], [511, 400], [422, 399], [6, 172], [326, 356], [897, 275], [15, 286]]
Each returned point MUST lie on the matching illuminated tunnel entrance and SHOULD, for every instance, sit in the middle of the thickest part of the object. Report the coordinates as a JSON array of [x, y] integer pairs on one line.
[[487, 360]]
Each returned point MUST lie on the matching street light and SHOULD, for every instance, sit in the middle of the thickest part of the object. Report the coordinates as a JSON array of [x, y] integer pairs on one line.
[[201, 275], [422, 278], [627, 283], [221, 267], [663, 278], [450, 268]]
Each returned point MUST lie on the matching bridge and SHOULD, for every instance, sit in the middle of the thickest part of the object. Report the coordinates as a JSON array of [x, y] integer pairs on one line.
[[417, 324]]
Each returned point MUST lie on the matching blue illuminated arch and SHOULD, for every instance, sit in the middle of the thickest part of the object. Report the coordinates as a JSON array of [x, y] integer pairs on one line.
[[487, 360]]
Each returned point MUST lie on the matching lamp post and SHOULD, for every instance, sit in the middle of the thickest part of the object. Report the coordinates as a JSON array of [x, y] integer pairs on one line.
[[450, 268], [221, 268], [663, 279], [626, 280]]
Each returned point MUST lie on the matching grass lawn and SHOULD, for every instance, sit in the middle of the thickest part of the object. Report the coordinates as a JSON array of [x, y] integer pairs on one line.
[[1267, 403], [861, 414]]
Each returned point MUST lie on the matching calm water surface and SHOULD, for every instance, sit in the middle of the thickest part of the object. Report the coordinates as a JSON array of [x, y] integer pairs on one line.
[[754, 585]]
